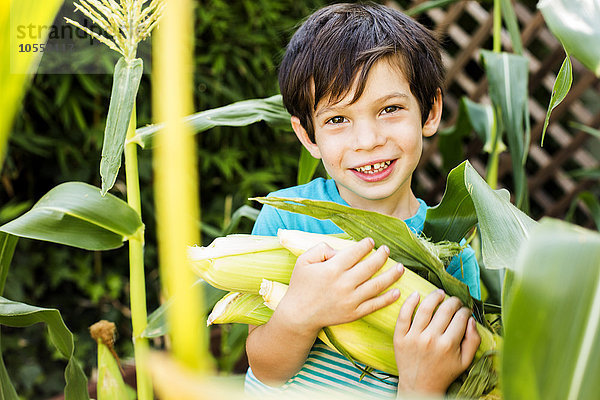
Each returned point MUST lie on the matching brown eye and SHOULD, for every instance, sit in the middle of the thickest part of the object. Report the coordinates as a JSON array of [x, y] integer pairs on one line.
[[390, 109], [336, 120]]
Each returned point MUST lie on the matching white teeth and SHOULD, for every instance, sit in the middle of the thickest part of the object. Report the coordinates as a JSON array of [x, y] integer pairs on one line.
[[373, 168]]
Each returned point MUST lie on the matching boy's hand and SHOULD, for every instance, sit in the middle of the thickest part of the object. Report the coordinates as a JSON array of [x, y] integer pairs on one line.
[[329, 287], [433, 350]]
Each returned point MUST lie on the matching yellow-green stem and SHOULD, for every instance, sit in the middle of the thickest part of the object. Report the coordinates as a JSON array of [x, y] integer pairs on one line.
[[137, 279], [176, 188], [492, 167], [497, 26]]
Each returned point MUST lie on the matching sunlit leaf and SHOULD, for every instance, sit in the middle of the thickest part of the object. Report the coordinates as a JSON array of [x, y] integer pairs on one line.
[[552, 317], [7, 248], [241, 113], [508, 85], [17, 68], [306, 167], [575, 24], [469, 200], [21, 315], [126, 81], [7, 390], [562, 85], [75, 214]]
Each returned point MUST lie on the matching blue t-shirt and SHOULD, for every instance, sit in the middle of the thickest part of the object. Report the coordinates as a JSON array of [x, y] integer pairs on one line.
[[324, 368]]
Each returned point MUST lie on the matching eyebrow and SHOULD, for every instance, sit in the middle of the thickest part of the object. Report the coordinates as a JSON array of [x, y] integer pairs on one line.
[[382, 99]]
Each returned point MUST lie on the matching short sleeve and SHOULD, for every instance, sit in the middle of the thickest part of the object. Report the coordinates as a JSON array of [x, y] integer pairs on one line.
[[469, 273], [268, 222]]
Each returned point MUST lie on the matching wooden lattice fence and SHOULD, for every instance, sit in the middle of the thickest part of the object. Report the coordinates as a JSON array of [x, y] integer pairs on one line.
[[466, 27]]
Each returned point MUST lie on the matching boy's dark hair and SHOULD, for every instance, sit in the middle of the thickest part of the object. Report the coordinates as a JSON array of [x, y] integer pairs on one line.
[[340, 41]]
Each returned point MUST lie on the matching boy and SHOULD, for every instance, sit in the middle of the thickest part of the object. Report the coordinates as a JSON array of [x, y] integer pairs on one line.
[[362, 83]]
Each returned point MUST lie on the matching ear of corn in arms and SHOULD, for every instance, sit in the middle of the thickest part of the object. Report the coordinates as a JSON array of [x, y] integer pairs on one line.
[[239, 263]]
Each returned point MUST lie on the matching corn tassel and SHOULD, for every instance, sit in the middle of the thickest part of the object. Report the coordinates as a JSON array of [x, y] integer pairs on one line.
[[110, 381]]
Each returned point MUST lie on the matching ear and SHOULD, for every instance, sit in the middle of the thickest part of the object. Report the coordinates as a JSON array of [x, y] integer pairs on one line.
[[435, 115], [302, 135]]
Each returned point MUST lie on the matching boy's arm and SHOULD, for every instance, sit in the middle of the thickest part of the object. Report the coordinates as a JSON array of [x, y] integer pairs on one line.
[[326, 288], [437, 346]]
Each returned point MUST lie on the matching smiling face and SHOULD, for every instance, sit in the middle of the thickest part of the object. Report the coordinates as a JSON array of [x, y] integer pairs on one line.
[[372, 146]]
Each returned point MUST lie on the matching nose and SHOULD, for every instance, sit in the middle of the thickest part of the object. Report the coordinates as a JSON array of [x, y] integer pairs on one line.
[[367, 135]]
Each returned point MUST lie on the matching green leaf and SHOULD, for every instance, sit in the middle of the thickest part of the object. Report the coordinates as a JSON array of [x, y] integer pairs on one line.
[[592, 203], [17, 68], [471, 116], [405, 246], [306, 167], [575, 24], [428, 5], [512, 25], [552, 318], [20, 315], [76, 214], [562, 85], [586, 129], [126, 81], [157, 321], [244, 211], [468, 200], [241, 113], [7, 248], [508, 76], [591, 173], [7, 390]]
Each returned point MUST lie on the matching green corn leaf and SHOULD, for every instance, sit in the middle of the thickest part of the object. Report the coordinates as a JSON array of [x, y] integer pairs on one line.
[[562, 85], [7, 248], [241, 113], [7, 390], [20, 315], [306, 167], [469, 200], [586, 129], [244, 211], [575, 24], [591, 173], [471, 116], [75, 214], [404, 245], [428, 5], [17, 68], [552, 317], [508, 84], [512, 25], [126, 81], [592, 203]]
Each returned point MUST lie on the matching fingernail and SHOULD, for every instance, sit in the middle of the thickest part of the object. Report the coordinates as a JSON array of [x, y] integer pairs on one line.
[[440, 291], [472, 322], [414, 295], [385, 249], [370, 240], [395, 292], [400, 267]]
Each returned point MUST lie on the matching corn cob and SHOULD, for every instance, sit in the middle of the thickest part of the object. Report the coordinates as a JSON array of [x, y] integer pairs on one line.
[[384, 319], [238, 263]]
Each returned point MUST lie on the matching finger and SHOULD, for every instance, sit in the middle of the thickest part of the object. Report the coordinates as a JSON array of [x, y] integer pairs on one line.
[[426, 309], [378, 284], [367, 267], [376, 303], [458, 325], [470, 343], [349, 256], [443, 315], [405, 315], [318, 253]]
